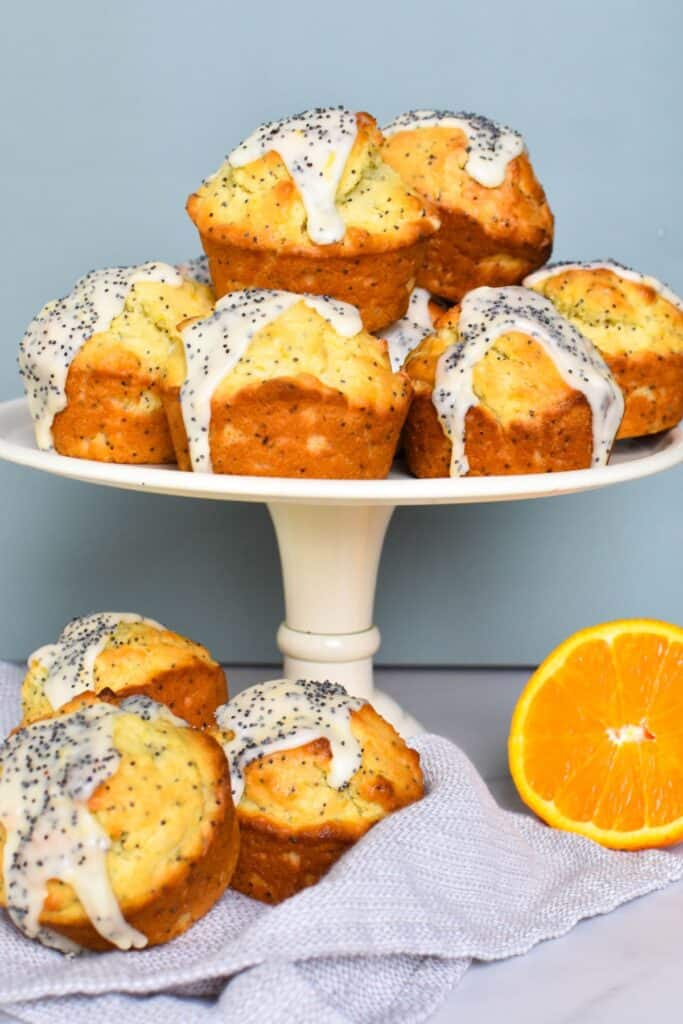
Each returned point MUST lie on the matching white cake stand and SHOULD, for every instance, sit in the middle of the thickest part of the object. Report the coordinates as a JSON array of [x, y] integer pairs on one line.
[[330, 535]]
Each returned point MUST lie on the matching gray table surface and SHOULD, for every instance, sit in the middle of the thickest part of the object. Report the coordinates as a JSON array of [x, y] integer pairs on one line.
[[623, 967]]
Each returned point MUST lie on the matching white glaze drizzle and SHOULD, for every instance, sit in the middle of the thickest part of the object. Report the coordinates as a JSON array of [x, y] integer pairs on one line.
[[195, 269], [55, 336], [558, 268], [491, 146], [48, 772], [70, 663], [488, 313], [281, 715], [214, 346], [314, 146], [406, 334]]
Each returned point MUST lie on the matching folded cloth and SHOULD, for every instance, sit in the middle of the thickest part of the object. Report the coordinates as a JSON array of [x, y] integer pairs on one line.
[[381, 939]]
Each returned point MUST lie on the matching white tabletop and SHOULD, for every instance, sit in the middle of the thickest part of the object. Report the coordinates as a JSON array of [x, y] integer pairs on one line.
[[623, 967]]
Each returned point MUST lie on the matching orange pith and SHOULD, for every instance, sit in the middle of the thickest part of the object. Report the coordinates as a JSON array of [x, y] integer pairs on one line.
[[596, 742]]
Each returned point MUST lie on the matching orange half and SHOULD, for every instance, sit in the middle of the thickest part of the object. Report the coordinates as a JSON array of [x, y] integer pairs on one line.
[[596, 741]]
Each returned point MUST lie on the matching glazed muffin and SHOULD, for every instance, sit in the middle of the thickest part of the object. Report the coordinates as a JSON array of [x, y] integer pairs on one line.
[[312, 770], [124, 654], [636, 323], [506, 385], [117, 827], [91, 363], [195, 269], [496, 225], [278, 384], [307, 204], [419, 321]]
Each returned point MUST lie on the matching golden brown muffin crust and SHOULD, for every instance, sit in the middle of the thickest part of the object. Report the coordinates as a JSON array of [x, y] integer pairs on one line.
[[168, 812], [528, 419], [296, 428], [258, 206], [252, 224], [639, 334], [378, 284], [141, 659], [302, 402], [488, 236], [294, 825], [114, 411], [114, 416]]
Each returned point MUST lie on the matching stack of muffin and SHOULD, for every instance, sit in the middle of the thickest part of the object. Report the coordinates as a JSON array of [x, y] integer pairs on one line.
[[358, 287], [134, 793]]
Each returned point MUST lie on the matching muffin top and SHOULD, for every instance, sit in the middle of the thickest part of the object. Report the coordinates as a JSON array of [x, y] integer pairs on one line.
[[622, 311], [195, 269], [509, 350], [466, 162], [256, 335], [112, 650], [117, 320], [406, 334], [98, 806], [282, 715], [315, 180], [307, 755], [489, 146]]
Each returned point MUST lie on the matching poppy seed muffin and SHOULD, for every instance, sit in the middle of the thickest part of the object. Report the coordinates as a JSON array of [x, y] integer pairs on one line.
[[124, 655], [195, 269], [91, 363], [312, 770], [280, 384], [418, 322], [506, 385], [307, 204], [496, 225], [637, 325], [117, 828]]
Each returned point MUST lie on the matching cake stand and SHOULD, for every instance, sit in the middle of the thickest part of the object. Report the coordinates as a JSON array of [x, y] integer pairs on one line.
[[330, 535]]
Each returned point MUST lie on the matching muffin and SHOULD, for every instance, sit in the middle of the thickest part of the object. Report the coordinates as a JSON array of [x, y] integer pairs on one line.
[[636, 323], [124, 654], [506, 385], [117, 828], [278, 384], [91, 363], [307, 204], [406, 334], [195, 269], [312, 770], [496, 225]]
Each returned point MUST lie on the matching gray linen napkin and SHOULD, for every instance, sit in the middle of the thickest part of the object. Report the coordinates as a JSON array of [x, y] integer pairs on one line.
[[381, 939]]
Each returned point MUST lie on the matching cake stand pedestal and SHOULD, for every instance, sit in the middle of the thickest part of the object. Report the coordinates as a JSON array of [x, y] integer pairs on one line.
[[330, 556], [330, 535]]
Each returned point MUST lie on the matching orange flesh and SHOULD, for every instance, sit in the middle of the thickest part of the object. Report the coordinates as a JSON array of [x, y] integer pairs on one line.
[[597, 738]]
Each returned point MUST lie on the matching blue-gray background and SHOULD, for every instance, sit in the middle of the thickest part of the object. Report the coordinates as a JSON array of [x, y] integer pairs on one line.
[[112, 113]]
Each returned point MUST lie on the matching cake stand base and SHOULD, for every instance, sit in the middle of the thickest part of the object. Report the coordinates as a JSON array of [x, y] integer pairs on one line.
[[330, 556]]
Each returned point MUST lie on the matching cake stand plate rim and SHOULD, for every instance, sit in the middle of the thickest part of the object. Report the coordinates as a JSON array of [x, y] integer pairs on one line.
[[633, 461]]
